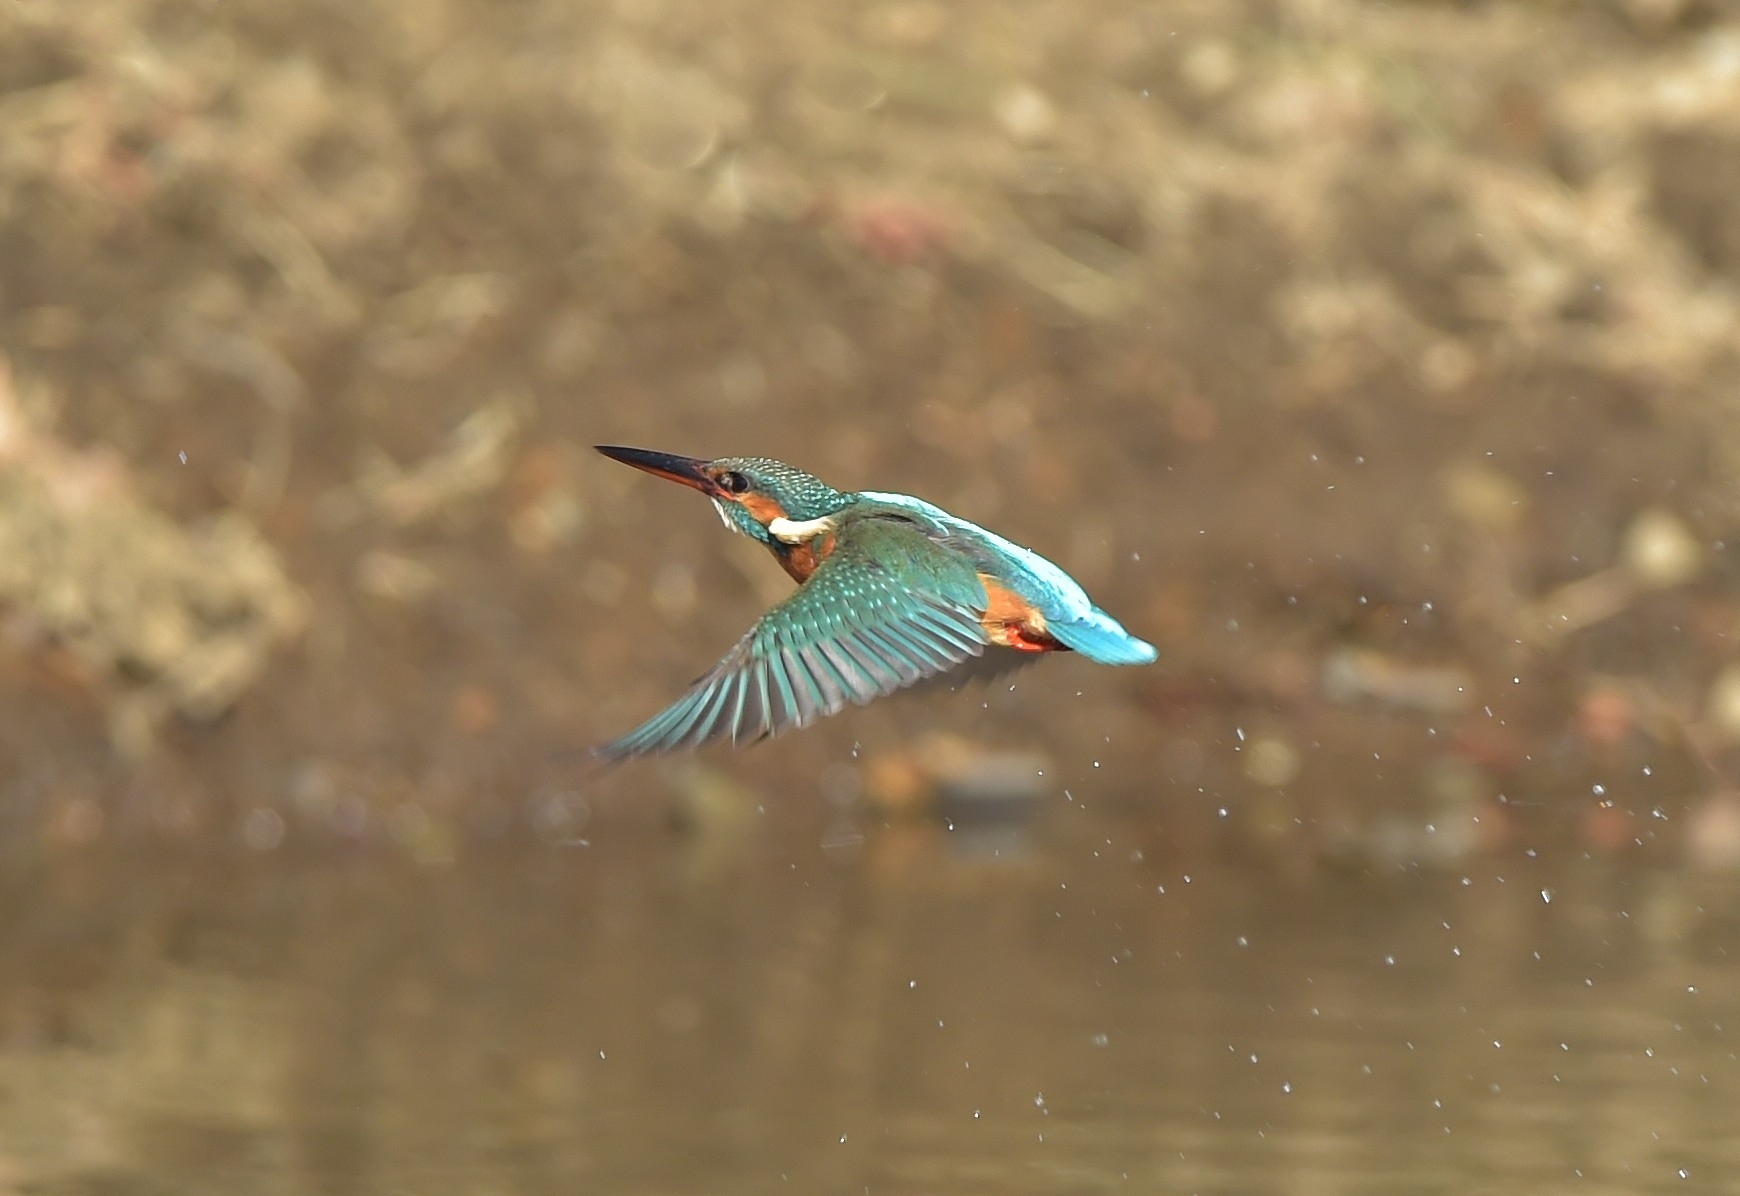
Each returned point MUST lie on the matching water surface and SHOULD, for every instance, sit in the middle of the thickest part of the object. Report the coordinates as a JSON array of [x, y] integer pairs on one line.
[[924, 1013]]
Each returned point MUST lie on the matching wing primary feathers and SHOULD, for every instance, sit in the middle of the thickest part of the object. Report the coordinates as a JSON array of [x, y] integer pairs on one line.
[[890, 647], [901, 653], [878, 673], [802, 684], [926, 651], [860, 686], [846, 681], [927, 637], [887, 608], [764, 721], [828, 684], [830, 696], [822, 675], [706, 720], [676, 728], [872, 646], [668, 731], [739, 688], [970, 637], [792, 713]]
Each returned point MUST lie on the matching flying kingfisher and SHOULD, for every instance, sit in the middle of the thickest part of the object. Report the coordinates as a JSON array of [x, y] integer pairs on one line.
[[891, 590]]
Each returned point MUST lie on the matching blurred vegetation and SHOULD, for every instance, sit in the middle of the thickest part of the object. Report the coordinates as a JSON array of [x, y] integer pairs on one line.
[[1376, 360]]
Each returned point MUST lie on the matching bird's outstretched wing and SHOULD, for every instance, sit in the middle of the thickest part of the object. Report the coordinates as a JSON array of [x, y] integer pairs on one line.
[[887, 608]]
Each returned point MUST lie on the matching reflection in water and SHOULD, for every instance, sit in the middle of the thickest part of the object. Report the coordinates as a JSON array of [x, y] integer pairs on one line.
[[635, 1016]]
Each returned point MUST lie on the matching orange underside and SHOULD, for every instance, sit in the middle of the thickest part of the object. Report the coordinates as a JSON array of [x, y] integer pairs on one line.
[[1012, 621]]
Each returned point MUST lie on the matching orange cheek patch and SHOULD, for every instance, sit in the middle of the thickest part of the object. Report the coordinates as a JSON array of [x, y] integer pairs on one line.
[[764, 509]]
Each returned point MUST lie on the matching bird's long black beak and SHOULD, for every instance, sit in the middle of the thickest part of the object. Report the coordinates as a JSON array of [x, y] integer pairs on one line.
[[690, 471]]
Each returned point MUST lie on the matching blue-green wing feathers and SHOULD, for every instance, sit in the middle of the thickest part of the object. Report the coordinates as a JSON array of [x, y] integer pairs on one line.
[[886, 609], [1102, 639]]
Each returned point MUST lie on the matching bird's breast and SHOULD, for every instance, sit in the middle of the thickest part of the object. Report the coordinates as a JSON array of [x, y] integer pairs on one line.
[[801, 559]]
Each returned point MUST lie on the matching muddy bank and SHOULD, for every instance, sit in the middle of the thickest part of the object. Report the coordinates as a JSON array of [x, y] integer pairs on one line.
[[1376, 361]]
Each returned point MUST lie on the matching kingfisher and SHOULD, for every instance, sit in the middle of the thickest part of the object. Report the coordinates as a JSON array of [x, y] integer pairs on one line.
[[891, 590]]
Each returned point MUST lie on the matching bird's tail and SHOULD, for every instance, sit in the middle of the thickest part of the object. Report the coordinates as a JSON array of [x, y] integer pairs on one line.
[[1103, 640]]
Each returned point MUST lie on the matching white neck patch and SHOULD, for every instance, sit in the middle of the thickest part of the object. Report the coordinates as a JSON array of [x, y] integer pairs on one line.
[[724, 518], [796, 531]]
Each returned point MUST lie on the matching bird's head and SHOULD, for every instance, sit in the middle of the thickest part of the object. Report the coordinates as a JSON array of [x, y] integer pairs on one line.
[[764, 499]]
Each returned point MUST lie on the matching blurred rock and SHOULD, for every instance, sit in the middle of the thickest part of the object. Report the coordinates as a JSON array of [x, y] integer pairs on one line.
[[957, 779], [1486, 498], [423, 329], [1025, 113], [1271, 760], [1606, 829], [1352, 674], [1722, 703], [72, 820], [1606, 715], [544, 511], [169, 620], [717, 814], [1455, 786], [897, 784], [898, 229], [473, 463], [667, 115], [909, 23], [1210, 67], [1660, 550], [399, 578], [428, 839], [475, 710], [263, 829], [1712, 836], [1193, 419], [1401, 842], [1570, 608]]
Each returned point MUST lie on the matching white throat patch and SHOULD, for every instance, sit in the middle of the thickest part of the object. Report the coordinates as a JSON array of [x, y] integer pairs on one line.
[[726, 519], [796, 531]]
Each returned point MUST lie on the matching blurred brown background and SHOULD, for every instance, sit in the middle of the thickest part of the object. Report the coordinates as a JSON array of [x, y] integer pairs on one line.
[[1377, 361]]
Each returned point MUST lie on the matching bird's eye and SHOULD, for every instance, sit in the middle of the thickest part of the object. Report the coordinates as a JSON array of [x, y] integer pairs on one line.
[[733, 482]]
